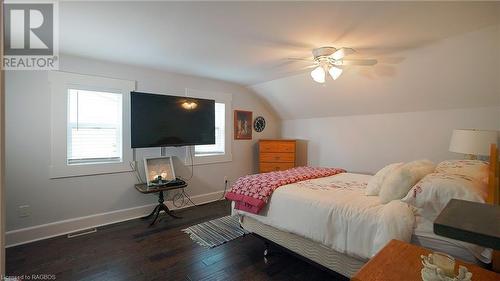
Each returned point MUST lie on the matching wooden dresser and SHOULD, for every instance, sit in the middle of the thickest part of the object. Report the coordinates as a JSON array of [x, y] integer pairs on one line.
[[276, 155]]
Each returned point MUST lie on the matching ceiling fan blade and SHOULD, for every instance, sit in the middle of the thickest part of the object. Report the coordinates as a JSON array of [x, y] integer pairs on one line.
[[309, 67], [342, 52], [301, 59], [299, 70], [359, 62]]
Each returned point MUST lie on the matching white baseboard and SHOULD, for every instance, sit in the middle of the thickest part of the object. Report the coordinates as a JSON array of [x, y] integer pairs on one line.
[[53, 229]]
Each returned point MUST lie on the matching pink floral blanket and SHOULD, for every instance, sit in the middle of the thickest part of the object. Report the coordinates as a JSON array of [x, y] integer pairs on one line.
[[251, 193]]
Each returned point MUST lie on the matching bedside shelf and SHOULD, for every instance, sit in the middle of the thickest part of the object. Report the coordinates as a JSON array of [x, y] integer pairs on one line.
[[472, 222]]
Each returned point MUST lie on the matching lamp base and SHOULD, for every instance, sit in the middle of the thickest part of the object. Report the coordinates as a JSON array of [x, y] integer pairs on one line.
[[470, 157]]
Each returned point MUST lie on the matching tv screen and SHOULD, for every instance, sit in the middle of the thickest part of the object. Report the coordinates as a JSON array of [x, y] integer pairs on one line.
[[163, 120]]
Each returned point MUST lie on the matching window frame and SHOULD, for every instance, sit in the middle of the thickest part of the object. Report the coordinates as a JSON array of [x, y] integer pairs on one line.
[[213, 153], [60, 83], [226, 99], [102, 160]]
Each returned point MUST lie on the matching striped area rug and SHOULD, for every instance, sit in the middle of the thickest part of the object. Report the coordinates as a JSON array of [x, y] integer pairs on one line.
[[216, 232]]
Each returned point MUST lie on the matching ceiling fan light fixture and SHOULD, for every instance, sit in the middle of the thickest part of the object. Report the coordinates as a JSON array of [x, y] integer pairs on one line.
[[337, 62], [335, 72], [318, 74]]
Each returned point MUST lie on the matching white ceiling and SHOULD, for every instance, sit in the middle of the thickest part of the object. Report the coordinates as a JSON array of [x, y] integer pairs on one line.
[[248, 43], [432, 55]]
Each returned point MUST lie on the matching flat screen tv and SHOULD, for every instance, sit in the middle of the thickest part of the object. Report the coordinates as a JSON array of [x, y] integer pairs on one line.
[[163, 120]]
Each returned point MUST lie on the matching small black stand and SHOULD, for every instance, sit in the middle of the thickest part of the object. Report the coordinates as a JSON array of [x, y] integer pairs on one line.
[[161, 206], [471, 222]]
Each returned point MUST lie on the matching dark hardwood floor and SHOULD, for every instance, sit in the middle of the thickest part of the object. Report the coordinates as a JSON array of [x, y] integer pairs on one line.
[[133, 251]]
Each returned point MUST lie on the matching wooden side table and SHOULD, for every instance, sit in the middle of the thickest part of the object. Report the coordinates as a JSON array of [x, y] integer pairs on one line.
[[400, 261], [143, 188]]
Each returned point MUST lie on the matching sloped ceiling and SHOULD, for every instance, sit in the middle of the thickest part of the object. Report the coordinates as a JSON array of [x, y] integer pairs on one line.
[[428, 55], [457, 72]]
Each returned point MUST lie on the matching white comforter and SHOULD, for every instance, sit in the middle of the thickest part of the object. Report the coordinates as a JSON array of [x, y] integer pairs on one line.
[[335, 212]]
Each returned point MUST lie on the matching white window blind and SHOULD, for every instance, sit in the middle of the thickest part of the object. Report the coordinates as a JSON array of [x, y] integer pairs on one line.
[[94, 127], [220, 135]]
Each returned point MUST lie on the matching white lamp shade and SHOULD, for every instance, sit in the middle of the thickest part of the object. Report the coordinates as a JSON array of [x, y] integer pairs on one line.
[[318, 74], [335, 72], [475, 142]]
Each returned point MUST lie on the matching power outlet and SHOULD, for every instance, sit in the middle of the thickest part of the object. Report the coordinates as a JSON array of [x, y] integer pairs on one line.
[[24, 211]]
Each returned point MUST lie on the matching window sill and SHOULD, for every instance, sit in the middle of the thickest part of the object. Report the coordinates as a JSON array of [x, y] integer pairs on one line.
[[69, 171]]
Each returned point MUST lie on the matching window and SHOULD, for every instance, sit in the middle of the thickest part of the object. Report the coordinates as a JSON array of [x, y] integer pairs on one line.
[[90, 125], [221, 150], [94, 127], [220, 135]]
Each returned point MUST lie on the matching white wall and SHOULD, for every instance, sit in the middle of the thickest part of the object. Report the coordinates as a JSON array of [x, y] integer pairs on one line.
[[28, 146], [365, 143]]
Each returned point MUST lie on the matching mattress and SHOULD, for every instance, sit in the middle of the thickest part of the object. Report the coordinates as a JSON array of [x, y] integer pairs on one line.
[[316, 252], [334, 212], [342, 263]]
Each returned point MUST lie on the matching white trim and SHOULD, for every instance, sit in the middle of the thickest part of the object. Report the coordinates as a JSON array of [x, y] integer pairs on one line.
[[227, 99], [53, 229], [59, 83]]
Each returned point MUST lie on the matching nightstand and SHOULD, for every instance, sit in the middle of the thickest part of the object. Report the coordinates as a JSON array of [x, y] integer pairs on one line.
[[400, 261], [143, 188]]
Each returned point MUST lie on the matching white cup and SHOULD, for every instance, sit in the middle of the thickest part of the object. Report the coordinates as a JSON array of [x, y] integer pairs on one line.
[[445, 262]]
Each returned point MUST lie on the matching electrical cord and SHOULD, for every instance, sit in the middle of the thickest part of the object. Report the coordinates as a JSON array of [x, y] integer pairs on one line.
[[182, 196], [225, 188], [178, 196], [183, 193], [133, 165], [189, 198], [190, 152]]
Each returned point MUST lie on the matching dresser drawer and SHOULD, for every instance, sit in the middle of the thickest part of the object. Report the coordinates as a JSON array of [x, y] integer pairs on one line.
[[277, 157], [277, 146], [270, 167]]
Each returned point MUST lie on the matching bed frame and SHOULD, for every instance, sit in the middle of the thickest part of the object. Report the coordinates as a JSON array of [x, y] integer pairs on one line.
[[493, 196], [331, 260], [493, 177]]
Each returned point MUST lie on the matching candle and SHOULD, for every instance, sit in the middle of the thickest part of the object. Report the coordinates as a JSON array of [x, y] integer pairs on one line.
[[445, 262]]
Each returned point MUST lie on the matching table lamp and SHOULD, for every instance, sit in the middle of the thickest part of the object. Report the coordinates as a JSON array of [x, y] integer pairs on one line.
[[472, 142]]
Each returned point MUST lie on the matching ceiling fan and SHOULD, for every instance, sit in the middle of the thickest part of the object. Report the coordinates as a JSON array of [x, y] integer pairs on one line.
[[331, 60]]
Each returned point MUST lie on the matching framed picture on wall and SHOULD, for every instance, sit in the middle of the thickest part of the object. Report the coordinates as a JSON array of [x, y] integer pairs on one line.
[[242, 125], [159, 170]]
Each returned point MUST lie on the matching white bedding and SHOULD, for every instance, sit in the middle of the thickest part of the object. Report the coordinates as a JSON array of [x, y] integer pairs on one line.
[[335, 212]]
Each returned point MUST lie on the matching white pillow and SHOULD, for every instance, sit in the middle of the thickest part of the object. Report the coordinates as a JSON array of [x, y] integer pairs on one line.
[[400, 180], [472, 168], [375, 182], [432, 193]]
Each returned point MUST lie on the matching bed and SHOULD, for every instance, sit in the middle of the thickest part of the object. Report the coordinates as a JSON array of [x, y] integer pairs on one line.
[[349, 228]]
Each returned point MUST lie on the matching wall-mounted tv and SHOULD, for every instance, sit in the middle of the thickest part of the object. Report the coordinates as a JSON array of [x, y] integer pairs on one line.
[[164, 120]]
